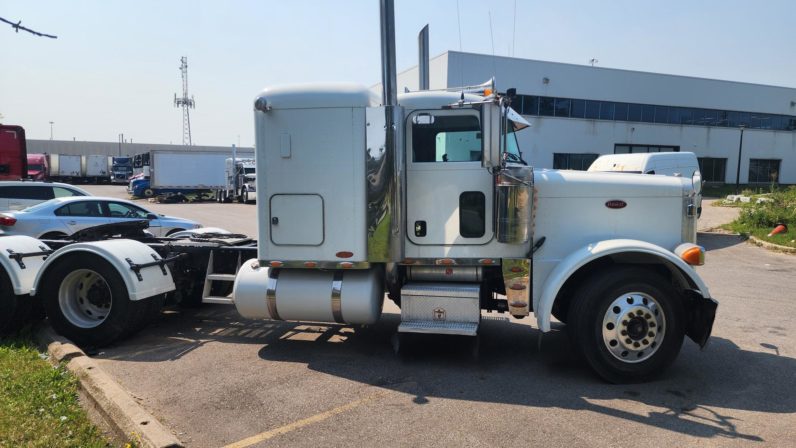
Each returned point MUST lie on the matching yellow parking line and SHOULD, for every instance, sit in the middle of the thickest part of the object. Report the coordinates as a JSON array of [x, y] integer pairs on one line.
[[249, 441]]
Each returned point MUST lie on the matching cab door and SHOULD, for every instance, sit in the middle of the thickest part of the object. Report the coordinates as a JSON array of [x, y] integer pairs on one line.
[[449, 193]]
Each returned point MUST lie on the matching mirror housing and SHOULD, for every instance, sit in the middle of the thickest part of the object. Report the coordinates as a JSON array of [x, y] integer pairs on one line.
[[151, 216], [490, 125]]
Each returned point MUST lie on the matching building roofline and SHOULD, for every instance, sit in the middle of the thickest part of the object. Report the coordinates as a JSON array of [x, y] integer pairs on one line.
[[618, 70]]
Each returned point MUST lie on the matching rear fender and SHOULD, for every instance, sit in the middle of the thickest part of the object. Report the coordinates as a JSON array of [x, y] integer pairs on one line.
[[153, 281], [22, 273], [543, 305]]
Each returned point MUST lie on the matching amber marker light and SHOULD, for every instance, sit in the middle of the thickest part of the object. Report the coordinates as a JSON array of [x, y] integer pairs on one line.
[[486, 261], [487, 92], [691, 254], [276, 264], [445, 261], [346, 265], [310, 264]]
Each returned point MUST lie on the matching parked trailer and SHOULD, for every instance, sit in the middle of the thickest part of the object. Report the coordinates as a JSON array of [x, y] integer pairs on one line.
[[441, 213], [13, 153], [65, 167], [95, 168], [181, 172]]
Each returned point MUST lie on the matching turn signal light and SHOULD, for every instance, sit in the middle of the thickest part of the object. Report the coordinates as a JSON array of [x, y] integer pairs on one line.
[[445, 261], [486, 261], [7, 220], [310, 264], [276, 264], [346, 265], [691, 254]]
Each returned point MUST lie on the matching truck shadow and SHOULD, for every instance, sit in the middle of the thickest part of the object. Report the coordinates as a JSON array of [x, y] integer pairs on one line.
[[702, 394], [715, 241]]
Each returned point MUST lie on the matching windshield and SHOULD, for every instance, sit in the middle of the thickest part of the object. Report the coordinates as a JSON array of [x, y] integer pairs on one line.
[[35, 167], [249, 170], [40, 206]]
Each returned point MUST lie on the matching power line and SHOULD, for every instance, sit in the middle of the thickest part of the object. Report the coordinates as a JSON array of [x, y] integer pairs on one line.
[[18, 27]]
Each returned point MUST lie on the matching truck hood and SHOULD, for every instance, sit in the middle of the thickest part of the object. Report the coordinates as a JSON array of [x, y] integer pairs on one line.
[[565, 183]]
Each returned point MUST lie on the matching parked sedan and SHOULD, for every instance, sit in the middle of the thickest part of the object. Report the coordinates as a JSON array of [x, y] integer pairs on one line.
[[60, 217]]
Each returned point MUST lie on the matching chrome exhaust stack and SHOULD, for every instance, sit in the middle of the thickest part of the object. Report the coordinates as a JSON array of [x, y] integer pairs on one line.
[[423, 59], [393, 130]]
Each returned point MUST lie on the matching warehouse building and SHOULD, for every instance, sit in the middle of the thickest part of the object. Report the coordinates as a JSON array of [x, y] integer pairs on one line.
[[579, 112]]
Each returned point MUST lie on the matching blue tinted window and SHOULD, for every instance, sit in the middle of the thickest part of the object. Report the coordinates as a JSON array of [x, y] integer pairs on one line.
[[546, 106], [562, 107], [648, 113], [661, 114], [674, 115], [634, 112], [606, 110], [620, 111], [578, 109], [530, 105], [592, 109]]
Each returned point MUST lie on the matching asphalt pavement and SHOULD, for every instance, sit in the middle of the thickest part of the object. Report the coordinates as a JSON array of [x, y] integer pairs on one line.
[[216, 379]]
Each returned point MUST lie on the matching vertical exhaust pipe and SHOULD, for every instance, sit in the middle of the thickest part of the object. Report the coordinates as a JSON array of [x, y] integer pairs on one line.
[[393, 130], [388, 71], [423, 59]]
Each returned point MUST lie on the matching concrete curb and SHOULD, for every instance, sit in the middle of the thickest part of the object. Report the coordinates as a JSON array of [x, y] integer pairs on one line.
[[114, 404], [772, 246]]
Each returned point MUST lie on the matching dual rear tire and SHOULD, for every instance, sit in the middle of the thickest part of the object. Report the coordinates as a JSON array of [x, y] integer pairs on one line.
[[87, 301]]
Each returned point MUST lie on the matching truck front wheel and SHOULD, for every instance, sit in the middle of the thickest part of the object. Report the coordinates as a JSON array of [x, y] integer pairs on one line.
[[628, 323], [87, 301]]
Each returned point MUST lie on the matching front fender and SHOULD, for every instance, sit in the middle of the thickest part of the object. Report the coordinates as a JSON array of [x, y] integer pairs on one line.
[[543, 306], [116, 252], [22, 278]]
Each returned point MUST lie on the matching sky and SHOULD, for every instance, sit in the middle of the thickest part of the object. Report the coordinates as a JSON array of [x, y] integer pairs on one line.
[[114, 68]]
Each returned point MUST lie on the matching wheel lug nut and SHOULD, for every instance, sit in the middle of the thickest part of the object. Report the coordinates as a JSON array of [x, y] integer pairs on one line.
[[647, 316], [651, 334], [624, 322], [636, 344], [624, 333], [652, 324], [645, 342], [628, 340]]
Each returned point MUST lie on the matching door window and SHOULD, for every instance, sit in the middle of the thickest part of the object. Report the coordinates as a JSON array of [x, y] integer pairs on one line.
[[84, 208], [472, 214], [120, 210], [446, 138], [39, 193], [60, 192]]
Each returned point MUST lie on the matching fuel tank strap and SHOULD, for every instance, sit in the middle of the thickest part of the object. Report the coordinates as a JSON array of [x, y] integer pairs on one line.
[[337, 291], [270, 293]]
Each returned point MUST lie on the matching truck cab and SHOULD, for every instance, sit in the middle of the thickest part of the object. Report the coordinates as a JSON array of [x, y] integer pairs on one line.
[[38, 167], [444, 215]]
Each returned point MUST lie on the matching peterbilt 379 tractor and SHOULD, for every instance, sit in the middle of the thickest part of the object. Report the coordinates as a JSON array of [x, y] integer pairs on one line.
[[423, 198]]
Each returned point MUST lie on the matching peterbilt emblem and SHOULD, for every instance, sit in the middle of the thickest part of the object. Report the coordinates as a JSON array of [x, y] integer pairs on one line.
[[616, 203], [439, 313]]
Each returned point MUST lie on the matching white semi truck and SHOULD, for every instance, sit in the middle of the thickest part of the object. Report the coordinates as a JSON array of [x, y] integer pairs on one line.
[[424, 197], [241, 178]]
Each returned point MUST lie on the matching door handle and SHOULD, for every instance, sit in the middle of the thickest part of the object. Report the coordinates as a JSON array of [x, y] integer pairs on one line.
[[71, 223]]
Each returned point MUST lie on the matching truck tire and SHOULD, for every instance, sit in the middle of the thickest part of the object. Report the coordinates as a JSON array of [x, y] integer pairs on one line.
[[86, 300], [242, 197], [628, 322], [246, 197], [15, 311], [148, 193]]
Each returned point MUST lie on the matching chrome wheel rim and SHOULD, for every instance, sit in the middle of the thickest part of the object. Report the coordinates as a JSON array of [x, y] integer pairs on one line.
[[633, 327], [85, 298]]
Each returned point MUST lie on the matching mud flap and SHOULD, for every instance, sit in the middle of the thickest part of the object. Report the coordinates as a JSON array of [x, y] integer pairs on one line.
[[701, 314]]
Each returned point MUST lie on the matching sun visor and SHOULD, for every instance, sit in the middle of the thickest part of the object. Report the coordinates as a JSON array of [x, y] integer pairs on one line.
[[516, 119]]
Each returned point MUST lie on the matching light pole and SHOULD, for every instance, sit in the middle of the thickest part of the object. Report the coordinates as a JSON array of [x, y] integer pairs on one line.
[[51, 129], [740, 153]]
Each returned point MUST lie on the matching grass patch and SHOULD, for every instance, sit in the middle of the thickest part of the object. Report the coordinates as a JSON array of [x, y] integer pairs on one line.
[[38, 402], [759, 219]]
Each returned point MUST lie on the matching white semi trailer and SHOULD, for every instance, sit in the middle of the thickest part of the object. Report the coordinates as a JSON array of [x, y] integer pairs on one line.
[[422, 196]]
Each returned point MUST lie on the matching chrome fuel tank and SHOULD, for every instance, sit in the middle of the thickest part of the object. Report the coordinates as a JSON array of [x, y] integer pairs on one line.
[[351, 297]]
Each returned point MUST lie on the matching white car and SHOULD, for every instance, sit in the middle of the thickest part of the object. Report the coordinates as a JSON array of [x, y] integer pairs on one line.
[[16, 195], [61, 217]]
